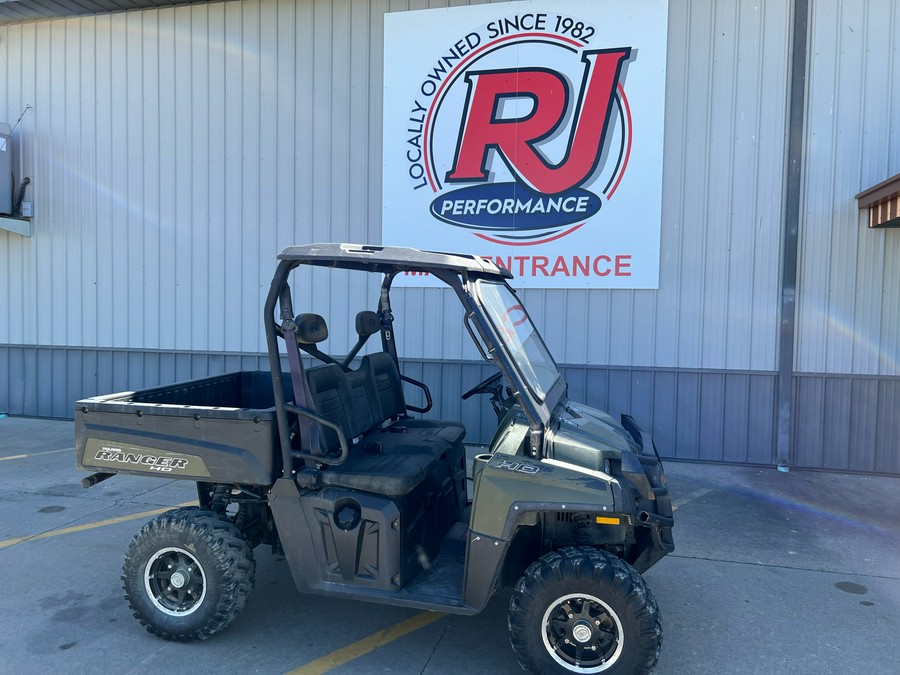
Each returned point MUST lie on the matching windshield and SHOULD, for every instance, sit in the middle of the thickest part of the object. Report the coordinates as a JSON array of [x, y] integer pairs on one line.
[[523, 342]]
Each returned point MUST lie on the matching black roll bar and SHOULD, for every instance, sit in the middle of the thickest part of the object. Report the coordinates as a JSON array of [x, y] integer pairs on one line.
[[279, 281], [325, 422]]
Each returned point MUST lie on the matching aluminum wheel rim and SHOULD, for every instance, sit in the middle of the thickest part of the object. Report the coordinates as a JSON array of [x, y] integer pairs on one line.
[[582, 633], [175, 582]]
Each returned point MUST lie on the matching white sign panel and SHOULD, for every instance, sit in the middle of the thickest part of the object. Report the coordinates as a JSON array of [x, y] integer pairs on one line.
[[530, 133]]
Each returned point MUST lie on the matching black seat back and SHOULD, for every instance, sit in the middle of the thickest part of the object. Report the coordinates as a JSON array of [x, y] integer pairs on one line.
[[333, 399], [388, 386], [365, 409]]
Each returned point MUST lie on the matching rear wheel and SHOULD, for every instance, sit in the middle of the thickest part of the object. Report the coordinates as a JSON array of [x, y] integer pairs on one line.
[[581, 610], [187, 574]]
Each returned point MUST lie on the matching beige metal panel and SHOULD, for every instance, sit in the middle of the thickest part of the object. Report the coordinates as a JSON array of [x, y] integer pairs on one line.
[[722, 185], [151, 57], [176, 150], [173, 152], [221, 325], [237, 319], [849, 299], [15, 250], [889, 352]]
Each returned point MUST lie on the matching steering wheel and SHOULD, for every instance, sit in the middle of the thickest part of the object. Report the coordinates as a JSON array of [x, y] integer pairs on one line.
[[485, 386]]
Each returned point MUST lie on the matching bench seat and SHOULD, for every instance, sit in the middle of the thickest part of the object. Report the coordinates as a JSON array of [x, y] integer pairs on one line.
[[389, 475], [388, 456], [387, 390]]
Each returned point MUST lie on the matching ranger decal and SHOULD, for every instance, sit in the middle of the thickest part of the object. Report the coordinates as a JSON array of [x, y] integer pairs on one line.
[[151, 462], [104, 454]]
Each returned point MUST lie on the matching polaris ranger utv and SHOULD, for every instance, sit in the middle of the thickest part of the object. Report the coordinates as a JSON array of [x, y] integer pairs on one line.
[[326, 465]]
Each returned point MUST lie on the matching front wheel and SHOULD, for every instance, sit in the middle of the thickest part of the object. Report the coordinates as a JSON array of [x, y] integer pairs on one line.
[[187, 574], [581, 610]]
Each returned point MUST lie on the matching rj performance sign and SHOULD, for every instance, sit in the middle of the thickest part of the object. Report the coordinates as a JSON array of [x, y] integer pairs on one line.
[[530, 133]]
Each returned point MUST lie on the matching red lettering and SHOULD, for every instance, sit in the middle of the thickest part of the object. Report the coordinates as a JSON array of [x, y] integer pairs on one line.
[[601, 265], [597, 270], [517, 139], [560, 267], [521, 260]]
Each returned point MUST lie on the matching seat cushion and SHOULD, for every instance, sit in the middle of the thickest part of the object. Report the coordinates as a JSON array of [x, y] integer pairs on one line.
[[393, 475], [452, 432], [392, 442]]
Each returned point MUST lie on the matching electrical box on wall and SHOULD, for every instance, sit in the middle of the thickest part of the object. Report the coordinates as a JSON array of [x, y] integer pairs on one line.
[[15, 213], [6, 184]]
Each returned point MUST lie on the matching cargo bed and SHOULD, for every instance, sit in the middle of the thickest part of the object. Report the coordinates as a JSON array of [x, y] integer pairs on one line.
[[158, 431]]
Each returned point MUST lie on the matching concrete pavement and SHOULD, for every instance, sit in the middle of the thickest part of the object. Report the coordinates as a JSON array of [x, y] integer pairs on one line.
[[773, 573]]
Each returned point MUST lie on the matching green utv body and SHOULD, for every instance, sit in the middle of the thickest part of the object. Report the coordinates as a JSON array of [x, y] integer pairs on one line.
[[326, 465]]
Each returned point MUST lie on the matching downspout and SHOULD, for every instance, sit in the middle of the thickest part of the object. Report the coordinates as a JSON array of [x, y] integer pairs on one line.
[[791, 231]]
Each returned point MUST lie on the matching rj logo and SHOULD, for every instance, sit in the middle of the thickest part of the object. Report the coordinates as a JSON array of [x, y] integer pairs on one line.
[[518, 140]]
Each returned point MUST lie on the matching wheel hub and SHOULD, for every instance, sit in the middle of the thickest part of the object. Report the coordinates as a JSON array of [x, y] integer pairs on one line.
[[175, 582], [582, 631]]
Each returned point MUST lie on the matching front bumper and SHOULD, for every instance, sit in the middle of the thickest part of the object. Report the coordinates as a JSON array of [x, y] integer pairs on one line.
[[653, 508]]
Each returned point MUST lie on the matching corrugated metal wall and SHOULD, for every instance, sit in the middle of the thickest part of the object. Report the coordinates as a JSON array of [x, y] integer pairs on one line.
[[173, 152], [849, 299], [848, 339]]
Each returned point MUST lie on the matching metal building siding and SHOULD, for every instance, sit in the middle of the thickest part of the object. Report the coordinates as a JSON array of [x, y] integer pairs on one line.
[[716, 305], [849, 300], [847, 422], [174, 151]]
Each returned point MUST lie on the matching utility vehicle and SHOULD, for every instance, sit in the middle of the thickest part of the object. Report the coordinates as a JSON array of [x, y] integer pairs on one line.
[[325, 464]]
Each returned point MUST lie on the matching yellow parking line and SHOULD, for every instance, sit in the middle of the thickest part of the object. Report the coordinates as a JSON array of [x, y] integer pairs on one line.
[[367, 644], [38, 454], [90, 526], [696, 494]]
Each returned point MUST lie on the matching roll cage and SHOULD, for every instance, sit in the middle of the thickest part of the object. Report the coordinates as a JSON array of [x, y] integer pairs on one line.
[[459, 272]]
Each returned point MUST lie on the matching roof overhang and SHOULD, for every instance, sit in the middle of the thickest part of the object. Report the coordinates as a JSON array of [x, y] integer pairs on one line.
[[883, 202], [13, 11]]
